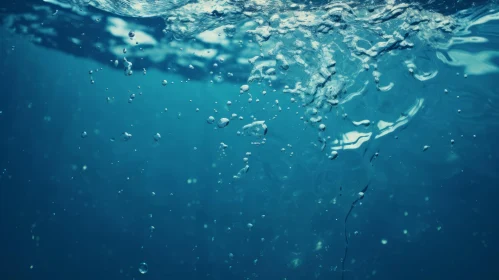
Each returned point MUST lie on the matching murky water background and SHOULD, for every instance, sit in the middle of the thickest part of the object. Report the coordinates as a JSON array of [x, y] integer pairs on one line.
[[249, 140]]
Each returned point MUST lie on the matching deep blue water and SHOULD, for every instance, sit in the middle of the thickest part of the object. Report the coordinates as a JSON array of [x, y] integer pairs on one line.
[[74, 207]]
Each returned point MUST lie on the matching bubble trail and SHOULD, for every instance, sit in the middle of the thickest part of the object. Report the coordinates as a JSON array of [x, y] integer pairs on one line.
[[362, 192]]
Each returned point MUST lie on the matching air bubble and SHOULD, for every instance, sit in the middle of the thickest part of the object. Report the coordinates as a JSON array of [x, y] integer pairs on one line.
[[157, 137], [244, 88], [256, 128], [143, 268], [126, 136], [223, 122], [333, 155]]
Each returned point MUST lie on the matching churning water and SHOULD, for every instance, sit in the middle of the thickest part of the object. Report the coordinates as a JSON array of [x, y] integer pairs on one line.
[[249, 139]]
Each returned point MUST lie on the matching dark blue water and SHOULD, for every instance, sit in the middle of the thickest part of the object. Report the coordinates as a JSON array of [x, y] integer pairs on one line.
[[96, 207]]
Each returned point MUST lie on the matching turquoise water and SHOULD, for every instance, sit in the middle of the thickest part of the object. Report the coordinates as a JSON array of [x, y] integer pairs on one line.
[[380, 164]]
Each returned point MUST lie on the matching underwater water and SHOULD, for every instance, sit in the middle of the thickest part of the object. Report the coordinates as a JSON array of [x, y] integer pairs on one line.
[[234, 139]]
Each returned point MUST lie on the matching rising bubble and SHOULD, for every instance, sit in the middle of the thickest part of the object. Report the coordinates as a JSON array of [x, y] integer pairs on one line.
[[223, 122], [143, 268]]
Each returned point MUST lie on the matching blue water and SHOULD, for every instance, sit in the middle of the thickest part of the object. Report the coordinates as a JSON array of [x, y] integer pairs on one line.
[[98, 206]]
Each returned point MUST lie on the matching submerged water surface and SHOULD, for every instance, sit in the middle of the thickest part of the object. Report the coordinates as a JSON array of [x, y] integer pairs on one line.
[[249, 139]]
